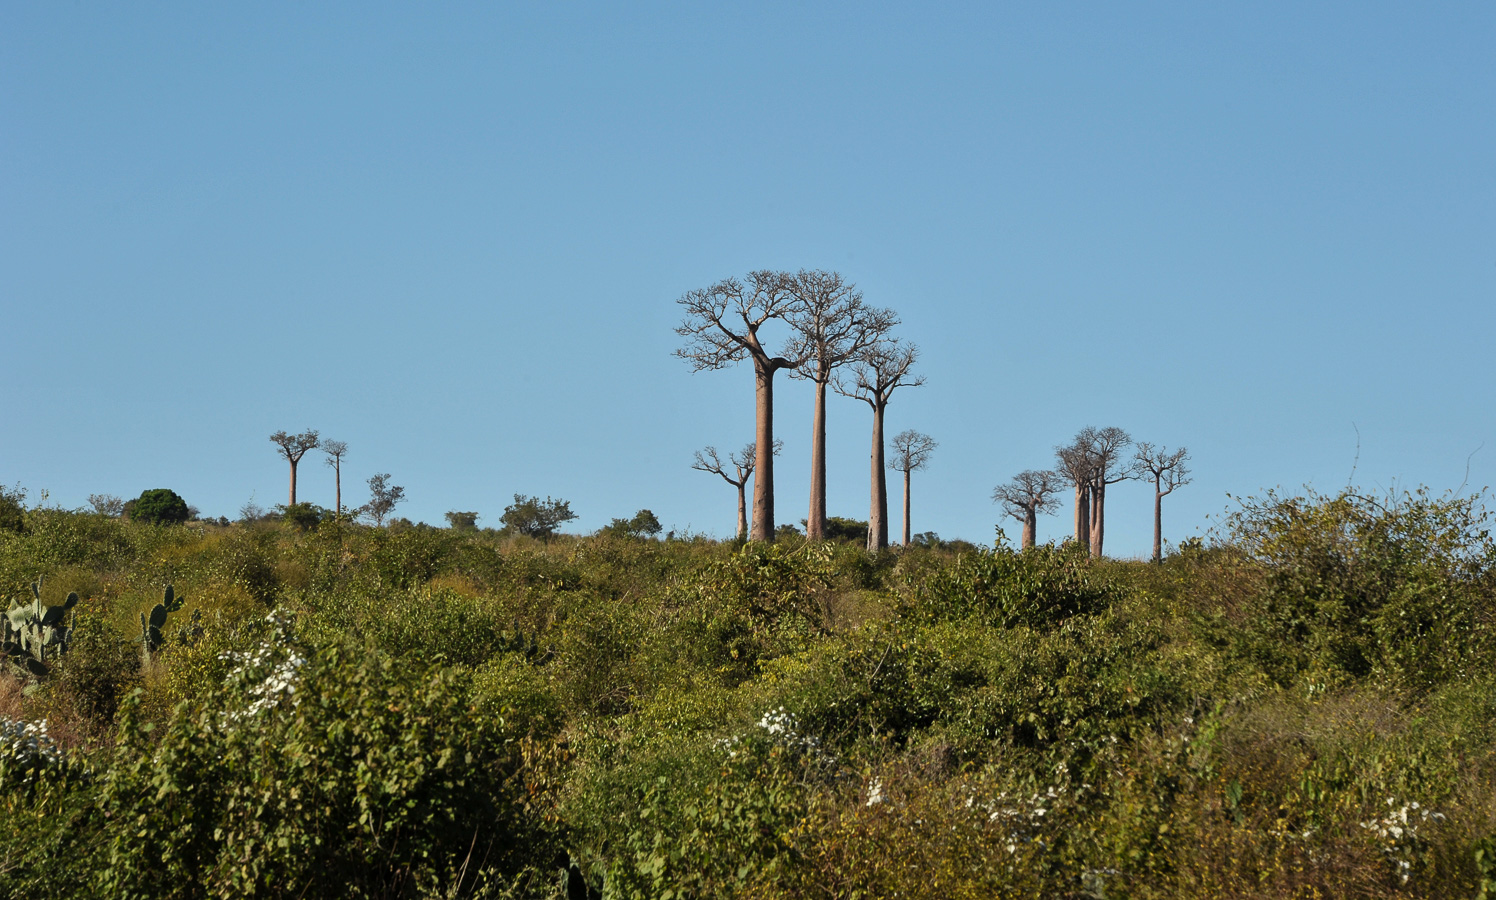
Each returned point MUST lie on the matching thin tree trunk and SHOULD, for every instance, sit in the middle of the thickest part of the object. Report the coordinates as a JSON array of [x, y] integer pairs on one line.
[[742, 513], [877, 519], [293, 483], [337, 475], [1030, 525], [763, 484], [1158, 524], [815, 522], [906, 508]]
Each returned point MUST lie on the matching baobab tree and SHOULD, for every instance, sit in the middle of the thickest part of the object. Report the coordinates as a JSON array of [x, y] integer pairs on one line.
[[293, 447], [721, 328], [1075, 465], [832, 327], [1029, 493], [742, 463], [878, 372], [335, 451], [1106, 450], [911, 450], [1167, 471]]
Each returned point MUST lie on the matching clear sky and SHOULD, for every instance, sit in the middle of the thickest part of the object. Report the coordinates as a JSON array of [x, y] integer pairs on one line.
[[453, 235]]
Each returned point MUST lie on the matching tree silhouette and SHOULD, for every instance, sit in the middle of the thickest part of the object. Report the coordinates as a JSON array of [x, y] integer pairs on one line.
[[1029, 493], [293, 447], [878, 372], [911, 450], [382, 498], [335, 451], [1090, 463], [715, 339], [832, 328], [1075, 465], [742, 464], [1167, 471]]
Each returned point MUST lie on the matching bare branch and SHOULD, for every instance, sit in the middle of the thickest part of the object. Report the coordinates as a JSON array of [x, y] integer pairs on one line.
[[1029, 493], [1166, 470], [832, 324], [911, 451], [714, 337], [294, 446], [879, 371]]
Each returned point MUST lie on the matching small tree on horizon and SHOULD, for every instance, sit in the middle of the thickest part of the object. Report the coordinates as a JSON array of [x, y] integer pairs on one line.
[[911, 451], [335, 451], [383, 497], [1029, 493], [1167, 471], [535, 517], [461, 521], [293, 447], [742, 463], [881, 370]]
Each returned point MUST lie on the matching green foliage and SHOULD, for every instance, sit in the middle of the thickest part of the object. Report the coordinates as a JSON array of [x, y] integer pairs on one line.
[[462, 521], [304, 516], [1036, 588], [158, 506], [12, 509], [151, 637], [644, 524], [841, 529], [536, 518]]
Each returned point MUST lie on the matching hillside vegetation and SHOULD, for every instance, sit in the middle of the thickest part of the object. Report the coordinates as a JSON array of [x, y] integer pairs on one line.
[[1304, 708]]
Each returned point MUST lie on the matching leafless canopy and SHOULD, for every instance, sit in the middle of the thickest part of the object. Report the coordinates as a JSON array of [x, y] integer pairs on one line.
[[1089, 464], [742, 465], [335, 451], [722, 321], [832, 324], [1166, 470], [911, 451], [878, 371], [1029, 493]]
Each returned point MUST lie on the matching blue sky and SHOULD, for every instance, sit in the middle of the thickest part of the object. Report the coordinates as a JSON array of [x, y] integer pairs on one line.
[[452, 235]]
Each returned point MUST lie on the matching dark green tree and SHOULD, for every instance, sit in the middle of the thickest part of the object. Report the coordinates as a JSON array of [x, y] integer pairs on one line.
[[159, 506], [12, 509], [462, 521], [535, 517]]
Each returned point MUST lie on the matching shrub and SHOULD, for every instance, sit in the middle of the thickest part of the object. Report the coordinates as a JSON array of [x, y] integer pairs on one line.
[[12, 509], [158, 506], [1037, 588], [535, 517]]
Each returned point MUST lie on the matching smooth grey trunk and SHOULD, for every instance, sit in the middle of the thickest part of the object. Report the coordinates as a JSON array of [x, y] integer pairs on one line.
[[877, 518], [763, 485], [815, 522], [742, 513], [293, 482], [905, 542], [1030, 528], [337, 477], [1158, 523]]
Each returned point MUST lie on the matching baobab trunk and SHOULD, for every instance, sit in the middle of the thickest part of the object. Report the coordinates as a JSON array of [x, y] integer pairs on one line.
[[815, 522], [1098, 518], [337, 477], [1030, 526], [763, 484], [905, 542], [1158, 525], [1083, 515], [293, 483], [877, 519], [742, 513]]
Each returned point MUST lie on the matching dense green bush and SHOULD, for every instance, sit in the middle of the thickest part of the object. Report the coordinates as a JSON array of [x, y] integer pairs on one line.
[[158, 506]]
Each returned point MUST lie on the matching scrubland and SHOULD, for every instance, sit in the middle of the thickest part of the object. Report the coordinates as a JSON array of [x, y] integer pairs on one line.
[[1304, 706]]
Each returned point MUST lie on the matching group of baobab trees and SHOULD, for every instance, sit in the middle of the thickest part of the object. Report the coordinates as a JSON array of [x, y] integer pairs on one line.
[[1089, 464], [831, 329], [292, 447]]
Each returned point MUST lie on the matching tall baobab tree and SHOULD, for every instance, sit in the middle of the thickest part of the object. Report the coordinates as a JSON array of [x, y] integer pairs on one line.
[[721, 328], [1167, 471], [293, 447], [832, 327], [882, 369], [911, 450], [335, 451], [1029, 493], [742, 464], [1106, 450], [1074, 464]]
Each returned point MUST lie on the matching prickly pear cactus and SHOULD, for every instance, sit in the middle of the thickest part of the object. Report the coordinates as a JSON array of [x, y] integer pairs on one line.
[[151, 637], [36, 632]]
